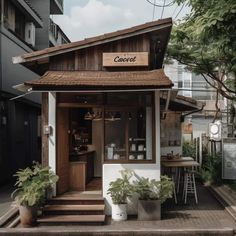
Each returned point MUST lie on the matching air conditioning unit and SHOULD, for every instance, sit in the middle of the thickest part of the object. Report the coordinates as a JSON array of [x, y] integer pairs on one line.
[[215, 131], [30, 33]]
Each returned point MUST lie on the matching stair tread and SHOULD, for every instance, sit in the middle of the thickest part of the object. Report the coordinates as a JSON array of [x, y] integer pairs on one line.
[[72, 219], [78, 197], [96, 207]]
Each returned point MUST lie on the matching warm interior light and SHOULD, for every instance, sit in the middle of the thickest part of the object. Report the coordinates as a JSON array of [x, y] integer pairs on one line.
[[88, 116], [130, 116], [98, 116], [117, 116]]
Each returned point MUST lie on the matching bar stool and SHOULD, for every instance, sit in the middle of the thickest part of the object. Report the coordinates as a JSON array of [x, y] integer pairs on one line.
[[189, 185], [174, 191]]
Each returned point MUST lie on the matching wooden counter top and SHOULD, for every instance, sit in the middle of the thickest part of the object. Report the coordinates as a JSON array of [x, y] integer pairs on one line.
[[82, 153], [77, 162]]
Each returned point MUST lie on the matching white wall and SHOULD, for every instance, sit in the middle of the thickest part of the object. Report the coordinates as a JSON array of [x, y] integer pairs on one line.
[[152, 171], [52, 136]]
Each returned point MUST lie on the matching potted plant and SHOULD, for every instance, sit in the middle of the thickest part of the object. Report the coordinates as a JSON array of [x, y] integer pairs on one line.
[[120, 190], [32, 185], [151, 194]]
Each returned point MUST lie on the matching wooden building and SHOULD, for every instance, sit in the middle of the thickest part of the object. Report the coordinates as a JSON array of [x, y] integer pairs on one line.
[[102, 105]]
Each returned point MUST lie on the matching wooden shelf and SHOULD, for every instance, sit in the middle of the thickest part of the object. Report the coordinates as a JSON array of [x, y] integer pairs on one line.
[[137, 151]]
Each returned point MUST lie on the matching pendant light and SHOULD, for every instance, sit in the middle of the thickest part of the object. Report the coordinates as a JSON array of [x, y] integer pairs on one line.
[[88, 116], [130, 116], [117, 116], [98, 116]]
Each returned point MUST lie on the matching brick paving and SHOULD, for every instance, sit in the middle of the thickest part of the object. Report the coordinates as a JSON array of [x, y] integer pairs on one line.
[[5, 198], [206, 218]]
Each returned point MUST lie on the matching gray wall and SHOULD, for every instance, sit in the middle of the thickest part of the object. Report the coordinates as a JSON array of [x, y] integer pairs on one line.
[[13, 74], [42, 34]]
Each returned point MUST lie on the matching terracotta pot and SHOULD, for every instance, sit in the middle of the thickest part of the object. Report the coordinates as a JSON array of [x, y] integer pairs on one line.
[[149, 210], [28, 215]]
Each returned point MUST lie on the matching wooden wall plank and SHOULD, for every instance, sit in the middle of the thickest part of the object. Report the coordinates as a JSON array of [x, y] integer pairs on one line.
[[91, 58], [62, 150]]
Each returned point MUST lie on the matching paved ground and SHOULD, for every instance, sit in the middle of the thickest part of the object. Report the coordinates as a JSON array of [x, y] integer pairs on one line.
[[206, 218], [5, 198]]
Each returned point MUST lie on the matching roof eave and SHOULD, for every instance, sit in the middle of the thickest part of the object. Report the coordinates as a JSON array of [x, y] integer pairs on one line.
[[23, 59]]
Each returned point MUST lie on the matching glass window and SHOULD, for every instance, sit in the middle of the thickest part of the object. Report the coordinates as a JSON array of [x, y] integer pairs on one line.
[[129, 134], [115, 134], [140, 134]]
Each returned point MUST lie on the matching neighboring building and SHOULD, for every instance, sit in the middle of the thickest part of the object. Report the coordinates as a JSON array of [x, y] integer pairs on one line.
[[25, 27], [181, 78], [195, 86]]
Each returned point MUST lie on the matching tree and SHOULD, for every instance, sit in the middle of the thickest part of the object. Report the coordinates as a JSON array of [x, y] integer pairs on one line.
[[205, 41]]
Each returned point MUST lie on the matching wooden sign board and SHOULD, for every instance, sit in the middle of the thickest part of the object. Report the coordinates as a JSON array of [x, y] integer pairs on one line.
[[125, 59], [187, 128]]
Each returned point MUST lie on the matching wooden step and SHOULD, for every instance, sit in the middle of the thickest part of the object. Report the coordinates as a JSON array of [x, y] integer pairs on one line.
[[72, 219], [74, 200], [74, 209]]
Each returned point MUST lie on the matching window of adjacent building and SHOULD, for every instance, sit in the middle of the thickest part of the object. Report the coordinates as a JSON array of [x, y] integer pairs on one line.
[[20, 24], [9, 15]]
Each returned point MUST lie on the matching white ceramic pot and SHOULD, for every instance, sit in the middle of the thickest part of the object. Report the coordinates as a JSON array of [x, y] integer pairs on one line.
[[119, 212], [140, 147], [133, 147], [140, 157]]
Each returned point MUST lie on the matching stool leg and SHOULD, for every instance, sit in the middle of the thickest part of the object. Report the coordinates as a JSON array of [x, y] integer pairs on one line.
[[178, 179], [195, 189], [186, 188], [174, 192]]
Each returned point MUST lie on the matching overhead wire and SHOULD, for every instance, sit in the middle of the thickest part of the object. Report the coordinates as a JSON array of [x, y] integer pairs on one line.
[[163, 9], [174, 11], [179, 11], [154, 8], [164, 5]]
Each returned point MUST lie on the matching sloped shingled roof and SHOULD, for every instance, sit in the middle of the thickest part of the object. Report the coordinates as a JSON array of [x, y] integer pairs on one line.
[[143, 28], [94, 80]]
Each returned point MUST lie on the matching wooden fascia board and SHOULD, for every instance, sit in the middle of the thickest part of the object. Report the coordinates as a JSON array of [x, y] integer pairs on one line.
[[188, 104], [20, 59]]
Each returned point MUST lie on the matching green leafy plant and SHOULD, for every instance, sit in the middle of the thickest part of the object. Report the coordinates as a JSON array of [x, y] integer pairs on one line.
[[206, 176], [154, 189], [204, 42], [121, 188], [32, 184], [211, 169], [189, 149]]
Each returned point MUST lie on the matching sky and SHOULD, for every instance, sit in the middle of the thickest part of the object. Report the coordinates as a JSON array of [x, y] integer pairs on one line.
[[87, 18]]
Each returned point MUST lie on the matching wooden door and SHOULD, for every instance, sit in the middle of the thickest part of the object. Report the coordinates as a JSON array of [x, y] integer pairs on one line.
[[62, 150]]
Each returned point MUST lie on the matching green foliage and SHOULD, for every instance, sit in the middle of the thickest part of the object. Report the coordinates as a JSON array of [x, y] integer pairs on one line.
[[121, 188], [205, 41], [154, 189], [211, 169], [32, 184], [206, 176], [189, 149]]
